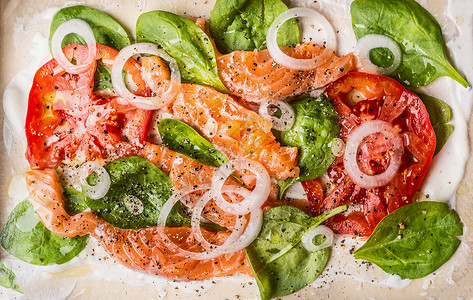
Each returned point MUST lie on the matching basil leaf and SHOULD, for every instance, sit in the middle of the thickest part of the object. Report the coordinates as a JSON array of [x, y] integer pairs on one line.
[[7, 278], [26, 238], [185, 42], [75, 201], [106, 30], [415, 240], [415, 30], [439, 115], [315, 126], [102, 77], [243, 24], [183, 139], [138, 191], [279, 262]]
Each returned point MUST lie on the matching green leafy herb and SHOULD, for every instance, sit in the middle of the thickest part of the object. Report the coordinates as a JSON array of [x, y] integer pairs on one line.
[[26, 238], [75, 201], [102, 77], [414, 240], [439, 114], [7, 278], [243, 24], [315, 126], [185, 42], [106, 30], [415, 30], [137, 192], [183, 139], [279, 262]]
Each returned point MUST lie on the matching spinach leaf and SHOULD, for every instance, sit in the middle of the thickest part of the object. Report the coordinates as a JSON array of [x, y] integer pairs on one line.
[[102, 77], [279, 262], [183, 139], [415, 30], [185, 42], [26, 238], [75, 201], [414, 240], [243, 24], [439, 115], [137, 192], [7, 278], [315, 126], [106, 30]]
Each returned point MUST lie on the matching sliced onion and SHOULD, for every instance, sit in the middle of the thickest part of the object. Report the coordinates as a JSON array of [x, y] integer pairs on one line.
[[133, 205], [356, 137], [81, 28], [338, 147], [373, 41], [103, 180], [195, 223], [237, 240], [230, 245], [307, 239], [148, 103], [293, 63], [255, 199], [286, 120]]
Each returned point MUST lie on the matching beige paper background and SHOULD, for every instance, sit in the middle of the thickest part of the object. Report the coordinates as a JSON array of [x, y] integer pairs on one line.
[[126, 12]]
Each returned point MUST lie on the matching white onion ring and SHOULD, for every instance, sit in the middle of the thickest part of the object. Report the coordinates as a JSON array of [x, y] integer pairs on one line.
[[81, 28], [255, 199], [293, 63], [287, 118], [195, 223], [356, 137], [148, 103], [133, 204], [308, 237], [103, 182], [371, 41], [237, 240], [338, 147], [230, 245]]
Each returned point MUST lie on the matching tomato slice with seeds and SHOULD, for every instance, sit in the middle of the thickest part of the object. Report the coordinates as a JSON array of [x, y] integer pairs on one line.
[[384, 99], [65, 116]]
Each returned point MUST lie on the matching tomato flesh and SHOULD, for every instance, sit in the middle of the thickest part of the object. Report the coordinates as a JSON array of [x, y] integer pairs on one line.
[[65, 116], [384, 99]]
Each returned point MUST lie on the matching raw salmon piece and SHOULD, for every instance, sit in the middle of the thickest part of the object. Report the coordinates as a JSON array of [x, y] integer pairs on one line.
[[234, 130], [46, 199], [186, 173], [142, 249], [255, 77]]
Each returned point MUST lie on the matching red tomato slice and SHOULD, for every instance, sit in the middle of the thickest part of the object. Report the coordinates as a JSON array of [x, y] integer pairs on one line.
[[65, 115], [387, 100]]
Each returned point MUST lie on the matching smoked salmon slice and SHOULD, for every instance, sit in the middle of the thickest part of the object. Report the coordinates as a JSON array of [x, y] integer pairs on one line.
[[232, 128], [254, 75], [140, 249], [186, 173]]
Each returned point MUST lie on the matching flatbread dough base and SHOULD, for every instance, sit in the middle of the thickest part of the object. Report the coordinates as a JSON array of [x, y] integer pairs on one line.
[[13, 59]]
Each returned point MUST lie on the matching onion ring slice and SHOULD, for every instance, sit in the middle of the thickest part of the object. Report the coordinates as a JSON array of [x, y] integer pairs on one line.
[[255, 199], [81, 28], [147, 103], [287, 118], [290, 62], [372, 41], [308, 237], [356, 137], [103, 182]]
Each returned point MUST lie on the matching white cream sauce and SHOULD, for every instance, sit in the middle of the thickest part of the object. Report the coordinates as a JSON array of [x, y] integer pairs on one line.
[[446, 172]]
